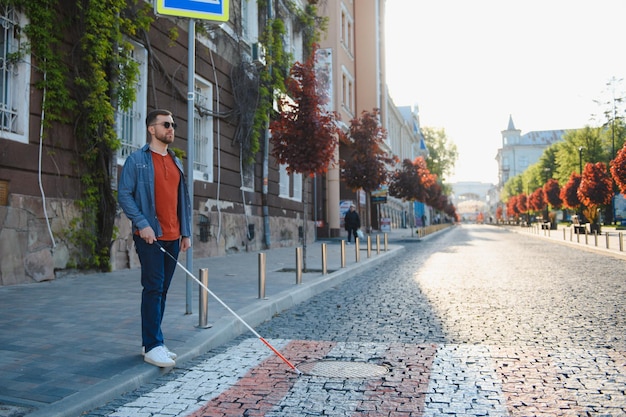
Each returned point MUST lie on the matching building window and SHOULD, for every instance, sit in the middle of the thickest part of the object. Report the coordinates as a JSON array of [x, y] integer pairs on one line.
[[290, 186], [247, 177], [347, 91], [523, 163], [249, 20], [296, 180], [15, 77], [346, 34], [203, 131], [131, 128], [283, 181]]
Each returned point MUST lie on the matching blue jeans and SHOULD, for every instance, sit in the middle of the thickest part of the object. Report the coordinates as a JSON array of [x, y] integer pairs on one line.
[[157, 269]]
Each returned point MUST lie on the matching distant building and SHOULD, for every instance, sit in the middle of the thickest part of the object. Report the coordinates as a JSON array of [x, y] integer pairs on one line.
[[470, 190], [472, 198], [519, 151]]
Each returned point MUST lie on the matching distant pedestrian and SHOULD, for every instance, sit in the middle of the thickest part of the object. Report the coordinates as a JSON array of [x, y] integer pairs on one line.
[[352, 222], [153, 194]]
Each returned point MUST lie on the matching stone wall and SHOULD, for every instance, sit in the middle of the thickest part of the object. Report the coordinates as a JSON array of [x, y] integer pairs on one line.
[[28, 253], [217, 233]]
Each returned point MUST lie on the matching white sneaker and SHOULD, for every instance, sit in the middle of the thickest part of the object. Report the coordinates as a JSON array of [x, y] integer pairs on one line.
[[159, 357], [171, 354]]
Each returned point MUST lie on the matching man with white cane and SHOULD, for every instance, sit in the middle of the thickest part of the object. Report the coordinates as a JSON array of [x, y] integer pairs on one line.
[[153, 194]]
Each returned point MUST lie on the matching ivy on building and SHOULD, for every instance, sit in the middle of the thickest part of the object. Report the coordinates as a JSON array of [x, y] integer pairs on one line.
[[86, 91]]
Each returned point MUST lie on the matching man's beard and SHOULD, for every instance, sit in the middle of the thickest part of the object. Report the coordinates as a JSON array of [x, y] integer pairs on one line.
[[165, 139]]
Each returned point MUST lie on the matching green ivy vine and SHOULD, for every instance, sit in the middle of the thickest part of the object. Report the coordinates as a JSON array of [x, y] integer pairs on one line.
[[105, 80], [87, 94], [44, 33]]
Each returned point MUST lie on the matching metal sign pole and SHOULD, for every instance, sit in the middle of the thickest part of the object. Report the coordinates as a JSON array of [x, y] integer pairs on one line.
[[200, 9], [191, 69]]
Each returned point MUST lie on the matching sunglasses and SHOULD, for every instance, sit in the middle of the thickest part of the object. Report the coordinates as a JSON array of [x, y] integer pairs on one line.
[[167, 125]]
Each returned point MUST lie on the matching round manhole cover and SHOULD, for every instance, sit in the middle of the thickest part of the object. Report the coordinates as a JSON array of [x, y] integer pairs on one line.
[[342, 369]]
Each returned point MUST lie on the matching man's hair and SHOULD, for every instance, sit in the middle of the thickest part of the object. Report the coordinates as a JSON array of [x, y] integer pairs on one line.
[[152, 116]]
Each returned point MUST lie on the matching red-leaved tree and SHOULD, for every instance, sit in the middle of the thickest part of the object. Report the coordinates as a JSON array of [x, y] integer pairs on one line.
[[304, 135], [412, 181], [366, 163], [595, 190], [537, 200], [522, 203], [618, 169], [552, 193], [511, 207], [569, 193]]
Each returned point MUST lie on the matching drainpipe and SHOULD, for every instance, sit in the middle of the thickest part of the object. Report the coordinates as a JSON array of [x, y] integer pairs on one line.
[[266, 158]]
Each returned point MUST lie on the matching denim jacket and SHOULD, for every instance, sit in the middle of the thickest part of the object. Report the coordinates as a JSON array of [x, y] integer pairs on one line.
[[136, 193]]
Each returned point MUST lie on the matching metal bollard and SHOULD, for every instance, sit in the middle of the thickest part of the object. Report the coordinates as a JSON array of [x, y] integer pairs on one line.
[[357, 251], [262, 269], [298, 266], [621, 241], [369, 246], [586, 237], [324, 260], [563, 234], [377, 244], [595, 238], [343, 253], [203, 300], [570, 234], [385, 242], [607, 239]]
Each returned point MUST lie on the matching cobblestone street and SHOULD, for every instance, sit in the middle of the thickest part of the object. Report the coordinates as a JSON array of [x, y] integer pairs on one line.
[[477, 321]]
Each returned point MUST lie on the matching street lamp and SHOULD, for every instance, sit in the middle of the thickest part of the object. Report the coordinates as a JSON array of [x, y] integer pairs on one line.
[[580, 168], [580, 159]]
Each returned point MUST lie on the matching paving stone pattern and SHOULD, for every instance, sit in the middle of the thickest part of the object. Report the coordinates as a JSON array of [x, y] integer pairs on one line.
[[475, 322]]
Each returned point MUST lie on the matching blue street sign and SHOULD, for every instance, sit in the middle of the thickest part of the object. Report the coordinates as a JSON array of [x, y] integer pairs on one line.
[[195, 9]]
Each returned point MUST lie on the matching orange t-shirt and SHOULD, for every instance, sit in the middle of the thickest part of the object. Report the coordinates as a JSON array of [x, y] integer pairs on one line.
[[166, 181]]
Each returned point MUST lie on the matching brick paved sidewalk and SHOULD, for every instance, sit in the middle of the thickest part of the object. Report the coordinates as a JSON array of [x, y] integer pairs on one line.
[[74, 343]]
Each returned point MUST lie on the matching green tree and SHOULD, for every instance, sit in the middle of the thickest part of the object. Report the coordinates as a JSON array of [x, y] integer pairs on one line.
[[512, 187], [442, 153], [533, 177], [547, 162], [593, 144]]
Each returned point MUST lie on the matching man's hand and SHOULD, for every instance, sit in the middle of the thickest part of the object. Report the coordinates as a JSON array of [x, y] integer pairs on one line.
[[147, 234], [185, 244]]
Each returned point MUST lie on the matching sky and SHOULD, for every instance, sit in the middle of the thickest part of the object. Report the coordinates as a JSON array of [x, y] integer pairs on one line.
[[469, 65]]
